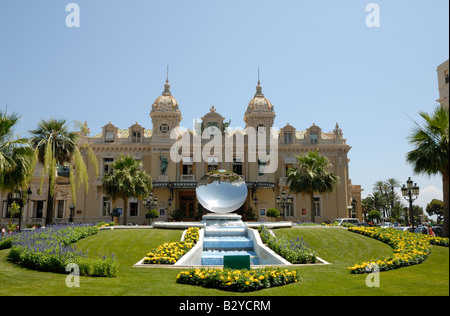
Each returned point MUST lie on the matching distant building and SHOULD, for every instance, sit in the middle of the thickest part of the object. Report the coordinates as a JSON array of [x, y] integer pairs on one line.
[[443, 79], [174, 183]]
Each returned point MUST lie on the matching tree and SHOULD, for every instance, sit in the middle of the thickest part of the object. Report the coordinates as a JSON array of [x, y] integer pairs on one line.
[[311, 174], [15, 209], [385, 197], [431, 151], [374, 215], [55, 145], [400, 213], [416, 212], [436, 207], [16, 157], [151, 215], [126, 181], [366, 205], [378, 201], [273, 213]]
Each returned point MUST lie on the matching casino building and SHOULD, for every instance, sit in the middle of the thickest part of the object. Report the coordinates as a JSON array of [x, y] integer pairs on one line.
[[174, 182]]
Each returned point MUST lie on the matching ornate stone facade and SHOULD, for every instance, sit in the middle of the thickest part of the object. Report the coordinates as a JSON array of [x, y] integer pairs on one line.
[[174, 182]]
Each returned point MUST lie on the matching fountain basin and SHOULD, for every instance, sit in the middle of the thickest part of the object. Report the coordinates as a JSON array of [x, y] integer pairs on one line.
[[228, 242], [216, 258]]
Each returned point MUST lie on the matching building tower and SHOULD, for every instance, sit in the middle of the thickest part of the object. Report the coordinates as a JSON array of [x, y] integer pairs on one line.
[[260, 111], [165, 113]]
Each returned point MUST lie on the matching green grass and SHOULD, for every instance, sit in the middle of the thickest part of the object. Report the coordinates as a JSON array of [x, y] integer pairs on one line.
[[337, 246]]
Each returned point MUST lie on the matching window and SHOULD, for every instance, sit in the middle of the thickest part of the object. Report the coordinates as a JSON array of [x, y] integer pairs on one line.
[[164, 128], [261, 167], [106, 206], [317, 206], [213, 163], [288, 138], [162, 212], [107, 165], [187, 166], [237, 166], [60, 213], [109, 136], [313, 138], [39, 209], [6, 213], [136, 137], [133, 209], [188, 169], [212, 167], [290, 209], [261, 129]]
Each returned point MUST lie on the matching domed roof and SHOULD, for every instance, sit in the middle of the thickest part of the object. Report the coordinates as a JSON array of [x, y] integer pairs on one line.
[[166, 101], [259, 102]]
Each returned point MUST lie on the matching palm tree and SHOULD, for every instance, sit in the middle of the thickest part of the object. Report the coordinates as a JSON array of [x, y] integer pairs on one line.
[[381, 189], [125, 181], [378, 201], [55, 145], [386, 195], [393, 198], [311, 175], [16, 157], [431, 151]]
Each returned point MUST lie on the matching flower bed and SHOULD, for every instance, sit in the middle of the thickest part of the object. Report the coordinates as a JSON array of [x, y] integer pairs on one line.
[[437, 241], [296, 251], [409, 248], [170, 253], [238, 280], [48, 249], [6, 241]]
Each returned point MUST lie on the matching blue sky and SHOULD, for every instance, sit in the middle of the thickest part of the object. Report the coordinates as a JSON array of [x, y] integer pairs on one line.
[[319, 64]]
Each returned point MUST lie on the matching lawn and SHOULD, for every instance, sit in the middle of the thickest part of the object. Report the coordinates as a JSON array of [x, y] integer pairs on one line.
[[335, 245]]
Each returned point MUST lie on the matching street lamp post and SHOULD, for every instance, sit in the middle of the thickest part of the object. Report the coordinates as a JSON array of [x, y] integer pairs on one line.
[[284, 201], [151, 201], [410, 193], [21, 198], [72, 208]]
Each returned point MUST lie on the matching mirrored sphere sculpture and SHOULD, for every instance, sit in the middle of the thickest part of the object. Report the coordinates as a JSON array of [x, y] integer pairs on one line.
[[221, 191]]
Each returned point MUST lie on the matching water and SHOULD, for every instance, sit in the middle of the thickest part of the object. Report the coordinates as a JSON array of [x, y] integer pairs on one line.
[[228, 239]]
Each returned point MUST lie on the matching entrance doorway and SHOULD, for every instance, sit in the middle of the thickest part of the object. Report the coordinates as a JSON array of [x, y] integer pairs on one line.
[[188, 205]]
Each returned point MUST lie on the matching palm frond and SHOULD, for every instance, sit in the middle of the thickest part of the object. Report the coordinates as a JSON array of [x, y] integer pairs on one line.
[[431, 143], [311, 174]]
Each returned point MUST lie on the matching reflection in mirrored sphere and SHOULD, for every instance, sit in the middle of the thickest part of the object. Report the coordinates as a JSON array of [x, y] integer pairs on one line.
[[221, 191]]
